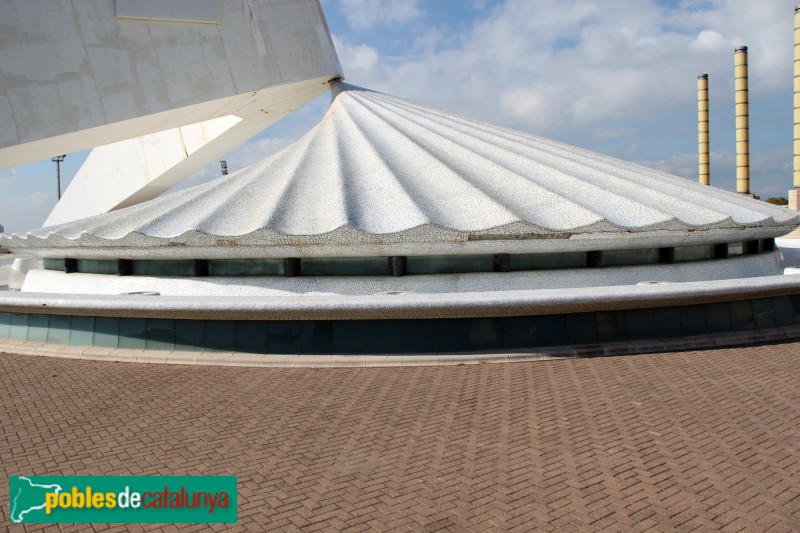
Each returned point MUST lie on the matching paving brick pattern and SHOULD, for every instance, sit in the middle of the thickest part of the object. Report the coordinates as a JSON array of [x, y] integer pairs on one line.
[[700, 440]]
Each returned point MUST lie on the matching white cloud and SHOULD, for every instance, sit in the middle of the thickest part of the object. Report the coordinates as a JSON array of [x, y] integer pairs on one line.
[[709, 41], [559, 64], [366, 14], [768, 170], [617, 76], [359, 58]]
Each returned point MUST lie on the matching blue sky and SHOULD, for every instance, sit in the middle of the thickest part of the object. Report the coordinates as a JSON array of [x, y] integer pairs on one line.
[[617, 77]]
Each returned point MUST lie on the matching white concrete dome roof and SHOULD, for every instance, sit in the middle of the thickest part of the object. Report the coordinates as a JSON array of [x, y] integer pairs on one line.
[[381, 176]]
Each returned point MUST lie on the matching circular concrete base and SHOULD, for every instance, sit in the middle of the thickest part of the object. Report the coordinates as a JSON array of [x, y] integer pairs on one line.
[[403, 330]]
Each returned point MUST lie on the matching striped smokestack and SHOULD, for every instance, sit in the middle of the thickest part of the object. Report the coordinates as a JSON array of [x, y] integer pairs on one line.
[[742, 121], [702, 129]]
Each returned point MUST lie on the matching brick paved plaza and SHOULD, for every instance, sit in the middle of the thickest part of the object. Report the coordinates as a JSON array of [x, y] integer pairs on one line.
[[686, 441]]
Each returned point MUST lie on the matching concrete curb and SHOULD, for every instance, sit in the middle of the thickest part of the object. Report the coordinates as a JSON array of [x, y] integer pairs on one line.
[[408, 306]]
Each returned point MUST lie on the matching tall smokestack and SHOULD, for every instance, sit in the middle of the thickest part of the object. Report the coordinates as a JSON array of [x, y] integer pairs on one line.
[[702, 129], [742, 121], [794, 194]]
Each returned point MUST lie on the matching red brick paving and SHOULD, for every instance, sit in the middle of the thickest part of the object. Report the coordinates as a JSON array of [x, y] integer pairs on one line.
[[683, 441]]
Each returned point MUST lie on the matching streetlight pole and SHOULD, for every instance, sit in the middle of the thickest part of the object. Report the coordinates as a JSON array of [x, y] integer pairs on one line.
[[57, 160]]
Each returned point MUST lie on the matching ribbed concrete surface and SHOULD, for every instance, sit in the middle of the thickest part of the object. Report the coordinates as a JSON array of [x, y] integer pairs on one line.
[[702, 440], [381, 171]]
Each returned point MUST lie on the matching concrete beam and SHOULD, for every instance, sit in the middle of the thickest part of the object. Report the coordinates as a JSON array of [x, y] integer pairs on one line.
[[78, 74], [128, 172]]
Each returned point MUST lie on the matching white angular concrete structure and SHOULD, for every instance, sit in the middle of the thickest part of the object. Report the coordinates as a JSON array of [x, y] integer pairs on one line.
[[163, 88]]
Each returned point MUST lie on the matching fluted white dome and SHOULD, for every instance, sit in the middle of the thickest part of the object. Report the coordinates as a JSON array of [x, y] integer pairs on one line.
[[383, 176]]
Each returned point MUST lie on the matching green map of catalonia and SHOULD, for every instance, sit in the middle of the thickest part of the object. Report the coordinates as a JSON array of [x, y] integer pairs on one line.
[[27, 497]]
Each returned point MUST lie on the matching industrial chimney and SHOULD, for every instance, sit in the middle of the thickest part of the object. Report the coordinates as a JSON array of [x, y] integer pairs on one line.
[[702, 129], [742, 121]]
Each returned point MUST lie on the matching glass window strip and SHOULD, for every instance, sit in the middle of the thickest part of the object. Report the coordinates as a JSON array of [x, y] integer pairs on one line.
[[412, 336], [415, 265]]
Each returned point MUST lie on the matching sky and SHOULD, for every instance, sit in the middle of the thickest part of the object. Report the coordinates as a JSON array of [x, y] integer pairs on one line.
[[617, 77]]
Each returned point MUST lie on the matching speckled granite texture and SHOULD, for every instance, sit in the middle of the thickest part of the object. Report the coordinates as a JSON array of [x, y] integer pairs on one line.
[[381, 176], [400, 306], [751, 266]]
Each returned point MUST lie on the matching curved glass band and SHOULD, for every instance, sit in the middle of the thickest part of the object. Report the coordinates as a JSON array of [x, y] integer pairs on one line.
[[387, 337]]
